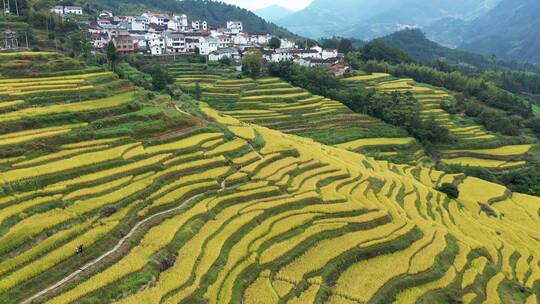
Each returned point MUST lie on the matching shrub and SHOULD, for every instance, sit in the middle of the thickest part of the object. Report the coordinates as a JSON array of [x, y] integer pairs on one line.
[[450, 190]]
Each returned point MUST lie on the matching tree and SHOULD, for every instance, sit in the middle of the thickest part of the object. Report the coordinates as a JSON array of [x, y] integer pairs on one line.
[[378, 50], [274, 43], [160, 77], [112, 54], [252, 64], [197, 91], [449, 189], [345, 46], [78, 43]]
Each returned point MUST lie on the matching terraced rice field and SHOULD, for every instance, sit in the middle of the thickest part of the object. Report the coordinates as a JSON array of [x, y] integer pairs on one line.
[[248, 214], [280, 106], [431, 99]]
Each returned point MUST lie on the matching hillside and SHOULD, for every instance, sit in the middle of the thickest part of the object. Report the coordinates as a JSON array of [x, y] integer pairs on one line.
[[276, 104], [510, 31], [130, 197], [415, 43], [273, 12], [368, 19], [215, 12]]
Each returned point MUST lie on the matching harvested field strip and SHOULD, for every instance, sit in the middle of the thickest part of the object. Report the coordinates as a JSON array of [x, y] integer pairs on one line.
[[56, 78], [100, 104], [89, 143], [25, 136], [75, 162], [373, 76], [56, 256], [8, 104], [311, 260], [501, 151], [361, 143], [387, 266], [492, 293], [485, 163], [44, 246], [275, 97], [176, 146], [118, 170], [158, 237]]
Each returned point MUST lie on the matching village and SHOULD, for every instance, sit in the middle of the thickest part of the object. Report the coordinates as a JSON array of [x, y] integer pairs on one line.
[[161, 34]]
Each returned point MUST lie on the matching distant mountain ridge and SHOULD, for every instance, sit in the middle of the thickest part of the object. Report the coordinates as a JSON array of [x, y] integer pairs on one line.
[[366, 19], [418, 47], [510, 31], [273, 12]]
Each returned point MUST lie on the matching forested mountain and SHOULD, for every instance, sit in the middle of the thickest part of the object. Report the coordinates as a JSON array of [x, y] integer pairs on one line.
[[216, 13], [273, 12], [369, 19], [510, 31], [415, 43]]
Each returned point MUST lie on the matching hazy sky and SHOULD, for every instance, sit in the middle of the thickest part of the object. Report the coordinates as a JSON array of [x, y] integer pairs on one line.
[[255, 4]]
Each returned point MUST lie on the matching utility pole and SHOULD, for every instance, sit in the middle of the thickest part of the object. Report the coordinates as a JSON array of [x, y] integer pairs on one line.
[[17, 7], [26, 37], [47, 26]]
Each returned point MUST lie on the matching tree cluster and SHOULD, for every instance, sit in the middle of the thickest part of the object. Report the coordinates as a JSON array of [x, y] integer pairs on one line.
[[400, 109]]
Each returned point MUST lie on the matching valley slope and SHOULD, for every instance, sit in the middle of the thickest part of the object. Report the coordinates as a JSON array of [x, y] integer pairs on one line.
[[130, 197]]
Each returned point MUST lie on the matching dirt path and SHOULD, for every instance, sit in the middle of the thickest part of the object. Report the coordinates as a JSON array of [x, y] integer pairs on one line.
[[115, 248], [255, 150]]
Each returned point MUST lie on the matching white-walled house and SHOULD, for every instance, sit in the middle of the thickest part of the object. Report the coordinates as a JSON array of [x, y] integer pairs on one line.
[[287, 44], [156, 50], [300, 53], [75, 10], [175, 42], [156, 43], [241, 39], [100, 40], [173, 25], [231, 53], [329, 53], [235, 27], [225, 41], [279, 55], [139, 24], [182, 19], [106, 14], [156, 18], [59, 9], [317, 48], [67, 10], [260, 38], [208, 45], [199, 25]]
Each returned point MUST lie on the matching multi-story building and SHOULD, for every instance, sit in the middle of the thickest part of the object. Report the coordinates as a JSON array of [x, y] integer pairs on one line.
[[175, 42], [208, 45], [100, 40], [156, 18], [124, 44], [225, 41], [59, 9], [199, 25], [182, 19], [139, 24], [329, 53], [235, 27], [67, 10], [231, 53]]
